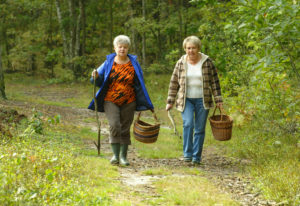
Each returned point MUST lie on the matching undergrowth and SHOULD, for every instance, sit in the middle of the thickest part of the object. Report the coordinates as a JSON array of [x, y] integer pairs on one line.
[[46, 169]]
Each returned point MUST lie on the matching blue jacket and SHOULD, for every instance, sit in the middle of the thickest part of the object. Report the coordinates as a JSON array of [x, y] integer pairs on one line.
[[143, 101]]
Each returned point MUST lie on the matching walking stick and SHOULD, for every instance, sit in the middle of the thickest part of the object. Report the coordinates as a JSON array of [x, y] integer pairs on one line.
[[173, 123], [97, 117]]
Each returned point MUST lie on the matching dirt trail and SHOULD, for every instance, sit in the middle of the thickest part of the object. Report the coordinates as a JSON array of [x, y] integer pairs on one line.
[[222, 171]]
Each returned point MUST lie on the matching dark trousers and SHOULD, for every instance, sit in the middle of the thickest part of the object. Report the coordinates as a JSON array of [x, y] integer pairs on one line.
[[120, 119]]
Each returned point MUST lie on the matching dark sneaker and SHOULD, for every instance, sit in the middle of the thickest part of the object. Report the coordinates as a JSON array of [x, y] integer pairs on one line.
[[186, 159], [195, 163]]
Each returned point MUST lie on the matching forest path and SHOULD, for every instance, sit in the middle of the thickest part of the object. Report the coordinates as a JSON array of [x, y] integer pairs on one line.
[[222, 171]]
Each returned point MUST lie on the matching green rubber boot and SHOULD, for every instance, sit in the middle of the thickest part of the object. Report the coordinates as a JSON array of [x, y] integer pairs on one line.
[[123, 155], [116, 150]]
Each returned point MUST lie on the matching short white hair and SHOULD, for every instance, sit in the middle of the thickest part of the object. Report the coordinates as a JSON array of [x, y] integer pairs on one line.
[[121, 39], [192, 39]]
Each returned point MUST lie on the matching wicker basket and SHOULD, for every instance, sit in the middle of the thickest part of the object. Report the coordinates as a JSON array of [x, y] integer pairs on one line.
[[145, 132], [221, 126]]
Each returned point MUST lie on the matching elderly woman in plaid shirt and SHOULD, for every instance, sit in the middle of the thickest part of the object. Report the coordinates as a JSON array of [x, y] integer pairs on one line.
[[194, 81]]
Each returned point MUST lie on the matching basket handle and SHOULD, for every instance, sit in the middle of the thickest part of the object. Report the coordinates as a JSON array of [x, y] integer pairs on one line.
[[153, 113], [221, 112]]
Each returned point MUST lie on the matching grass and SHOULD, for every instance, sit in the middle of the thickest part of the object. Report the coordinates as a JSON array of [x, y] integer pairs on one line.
[[279, 179], [158, 89], [47, 170], [166, 146], [274, 167], [190, 190], [39, 91]]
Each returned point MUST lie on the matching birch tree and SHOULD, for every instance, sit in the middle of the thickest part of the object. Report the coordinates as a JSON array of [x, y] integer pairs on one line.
[[71, 34]]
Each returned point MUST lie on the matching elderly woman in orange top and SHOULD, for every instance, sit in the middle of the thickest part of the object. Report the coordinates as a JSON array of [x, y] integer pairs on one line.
[[122, 92]]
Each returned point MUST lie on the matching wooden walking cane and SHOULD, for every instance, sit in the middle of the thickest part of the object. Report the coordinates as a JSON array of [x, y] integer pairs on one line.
[[97, 117]]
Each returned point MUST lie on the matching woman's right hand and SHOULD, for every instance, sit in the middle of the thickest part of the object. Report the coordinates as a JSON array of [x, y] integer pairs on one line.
[[169, 106], [95, 74]]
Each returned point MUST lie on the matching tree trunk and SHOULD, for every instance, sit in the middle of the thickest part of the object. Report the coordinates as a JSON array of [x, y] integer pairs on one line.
[[72, 41], [62, 29], [133, 44], [50, 28], [83, 27], [185, 19], [6, 43], [144, 34], [78, 29], [32, 64], [50, 64], [111, 25], [2, 84], [159, 44], [77, 64], [180, 26]]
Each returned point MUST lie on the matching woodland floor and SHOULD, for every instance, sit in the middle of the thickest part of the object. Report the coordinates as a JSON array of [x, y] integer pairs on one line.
[[222, 171]]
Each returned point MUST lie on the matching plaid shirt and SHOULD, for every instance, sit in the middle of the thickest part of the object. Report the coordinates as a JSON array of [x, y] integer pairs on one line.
[[211, 84]]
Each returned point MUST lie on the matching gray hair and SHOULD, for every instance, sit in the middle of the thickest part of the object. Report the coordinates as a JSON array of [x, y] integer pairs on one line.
[[121, 39], [192, 39]]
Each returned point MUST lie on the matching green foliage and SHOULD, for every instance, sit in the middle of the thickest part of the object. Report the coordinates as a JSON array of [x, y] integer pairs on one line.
[[47, 170], [267, 85], [35, 123], [54, 120], [40, 176], [51, 59], [171, 59]]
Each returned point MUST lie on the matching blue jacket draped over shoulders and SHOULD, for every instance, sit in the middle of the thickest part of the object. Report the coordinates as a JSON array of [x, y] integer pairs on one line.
[[143, 101]]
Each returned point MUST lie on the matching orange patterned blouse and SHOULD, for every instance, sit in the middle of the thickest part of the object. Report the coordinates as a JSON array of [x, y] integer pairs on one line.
[[121, 84]]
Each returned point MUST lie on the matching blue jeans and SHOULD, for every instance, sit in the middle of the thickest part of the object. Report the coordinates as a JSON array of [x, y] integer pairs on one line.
[[194, 119]]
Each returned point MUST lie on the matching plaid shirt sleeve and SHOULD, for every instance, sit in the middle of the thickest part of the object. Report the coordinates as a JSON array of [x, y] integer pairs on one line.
[[215, 84], [173, 86]]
